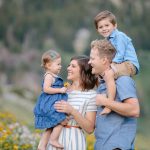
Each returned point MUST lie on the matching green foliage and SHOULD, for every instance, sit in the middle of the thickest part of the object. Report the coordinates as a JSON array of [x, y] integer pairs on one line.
[[18, 91], [143, 82], [60, 20]]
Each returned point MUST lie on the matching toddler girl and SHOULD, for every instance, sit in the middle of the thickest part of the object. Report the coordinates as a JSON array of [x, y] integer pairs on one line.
[[46, 117]]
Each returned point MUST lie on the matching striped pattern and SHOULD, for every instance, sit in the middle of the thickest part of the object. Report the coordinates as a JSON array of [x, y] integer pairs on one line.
[[74, 138]]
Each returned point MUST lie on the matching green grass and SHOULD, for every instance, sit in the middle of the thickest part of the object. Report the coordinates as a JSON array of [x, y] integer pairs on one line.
[[22, 112]]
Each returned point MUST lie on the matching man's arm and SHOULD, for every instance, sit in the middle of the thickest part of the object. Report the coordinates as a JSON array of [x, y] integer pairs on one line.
[[129, 107]]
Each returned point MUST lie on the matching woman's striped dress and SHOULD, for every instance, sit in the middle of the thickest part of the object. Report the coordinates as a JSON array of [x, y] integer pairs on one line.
[[74, 138]]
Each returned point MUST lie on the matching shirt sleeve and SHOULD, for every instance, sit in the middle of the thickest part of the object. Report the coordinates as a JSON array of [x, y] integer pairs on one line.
[[125, 88], [131, 55], [125, 50], [92, 102]]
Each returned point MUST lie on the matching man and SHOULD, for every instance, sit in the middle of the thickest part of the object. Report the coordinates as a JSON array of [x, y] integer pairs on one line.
[[117, 130]]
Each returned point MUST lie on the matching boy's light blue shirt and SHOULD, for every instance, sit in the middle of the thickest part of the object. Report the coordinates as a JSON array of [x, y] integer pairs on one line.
[[124, 47], [114, 130]]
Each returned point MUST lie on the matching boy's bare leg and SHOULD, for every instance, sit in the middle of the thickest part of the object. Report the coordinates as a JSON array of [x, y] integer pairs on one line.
[[55, 135], [44, 139], [123, 69], [111, 88]]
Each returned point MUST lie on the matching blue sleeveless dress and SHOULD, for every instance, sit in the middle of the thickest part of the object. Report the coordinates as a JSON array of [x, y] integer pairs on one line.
[[45, 114]]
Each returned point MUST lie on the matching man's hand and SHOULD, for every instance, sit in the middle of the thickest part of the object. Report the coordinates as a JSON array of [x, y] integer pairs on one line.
[[101, 99]]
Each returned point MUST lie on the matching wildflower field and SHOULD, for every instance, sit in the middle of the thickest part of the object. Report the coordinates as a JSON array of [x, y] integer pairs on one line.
[[17, 136], [90, 141], [14, 135]]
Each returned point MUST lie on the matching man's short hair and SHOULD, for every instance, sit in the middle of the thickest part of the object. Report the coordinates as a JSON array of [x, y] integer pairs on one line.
[[105, 48]]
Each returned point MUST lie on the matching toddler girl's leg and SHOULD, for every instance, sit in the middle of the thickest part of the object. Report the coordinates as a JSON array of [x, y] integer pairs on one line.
[[44, 139], [111, 88], [55, 135]]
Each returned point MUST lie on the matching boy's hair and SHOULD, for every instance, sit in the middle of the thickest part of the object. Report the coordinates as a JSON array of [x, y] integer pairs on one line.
[[48, 57], [103, 15], [105, 48]]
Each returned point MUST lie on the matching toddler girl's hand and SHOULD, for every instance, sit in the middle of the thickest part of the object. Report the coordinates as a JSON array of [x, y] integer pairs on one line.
[[63, 90]]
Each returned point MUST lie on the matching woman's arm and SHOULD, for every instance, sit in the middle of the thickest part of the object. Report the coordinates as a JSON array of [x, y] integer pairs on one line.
[[87, 123]]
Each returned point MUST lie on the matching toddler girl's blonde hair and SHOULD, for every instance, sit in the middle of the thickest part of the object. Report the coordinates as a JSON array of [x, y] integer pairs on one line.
[[48, 57]]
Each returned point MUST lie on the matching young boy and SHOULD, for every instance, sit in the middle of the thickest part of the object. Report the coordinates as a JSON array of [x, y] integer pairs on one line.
[[125, 61]]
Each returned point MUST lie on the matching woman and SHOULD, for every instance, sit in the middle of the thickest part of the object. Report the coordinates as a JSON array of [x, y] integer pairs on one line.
[[80, 106]]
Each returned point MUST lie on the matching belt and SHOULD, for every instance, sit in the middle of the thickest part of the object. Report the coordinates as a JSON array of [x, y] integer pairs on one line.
[[70, 126]]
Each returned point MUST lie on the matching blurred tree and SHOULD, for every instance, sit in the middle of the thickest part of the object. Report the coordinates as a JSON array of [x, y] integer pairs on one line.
[[61, 19]]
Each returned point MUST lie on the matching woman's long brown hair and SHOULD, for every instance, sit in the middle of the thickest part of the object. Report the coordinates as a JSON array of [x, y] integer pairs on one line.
[[88, 80]]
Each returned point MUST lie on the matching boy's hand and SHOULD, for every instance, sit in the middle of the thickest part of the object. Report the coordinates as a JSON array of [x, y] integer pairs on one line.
[[108, 74]]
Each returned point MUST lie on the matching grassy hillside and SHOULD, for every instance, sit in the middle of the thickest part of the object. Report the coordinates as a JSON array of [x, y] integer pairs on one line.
[[143, 86], [22, 108]]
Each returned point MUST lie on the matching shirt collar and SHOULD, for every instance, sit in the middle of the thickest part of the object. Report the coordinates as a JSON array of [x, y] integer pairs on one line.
[[113, 34], [100, 79]]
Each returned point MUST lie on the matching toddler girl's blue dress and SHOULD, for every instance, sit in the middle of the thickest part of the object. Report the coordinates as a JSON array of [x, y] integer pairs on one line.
[[45, 114]]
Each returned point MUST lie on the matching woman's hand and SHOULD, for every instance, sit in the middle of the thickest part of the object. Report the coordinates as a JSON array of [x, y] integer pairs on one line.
[[63, 123], [63, 106]]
